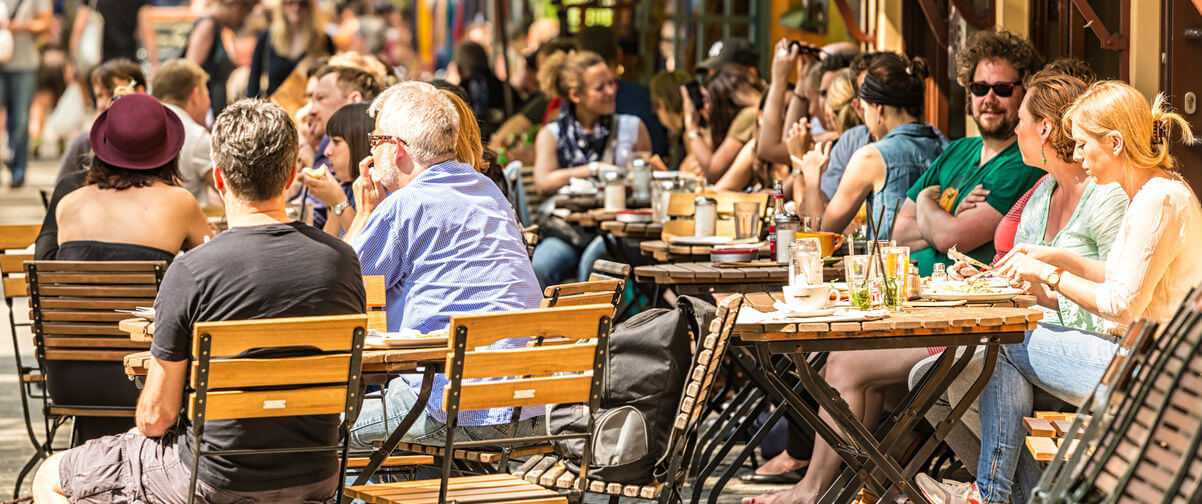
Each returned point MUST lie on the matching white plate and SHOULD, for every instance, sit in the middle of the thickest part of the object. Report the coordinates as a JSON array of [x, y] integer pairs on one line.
[[404, 340], [791, 312], [700, 240], [1005, 294]]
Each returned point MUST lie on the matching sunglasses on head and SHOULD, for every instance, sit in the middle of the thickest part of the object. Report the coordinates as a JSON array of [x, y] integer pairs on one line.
[[1002, 89]]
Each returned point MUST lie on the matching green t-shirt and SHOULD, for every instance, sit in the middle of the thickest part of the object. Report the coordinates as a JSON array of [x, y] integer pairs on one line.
[[956, 172]]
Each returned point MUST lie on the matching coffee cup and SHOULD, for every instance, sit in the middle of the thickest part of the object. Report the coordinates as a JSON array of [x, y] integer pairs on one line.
[[830, 241], [809, 297]]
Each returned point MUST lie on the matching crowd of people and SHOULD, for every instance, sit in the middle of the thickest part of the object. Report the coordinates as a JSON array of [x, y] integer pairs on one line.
[[1069, 191]]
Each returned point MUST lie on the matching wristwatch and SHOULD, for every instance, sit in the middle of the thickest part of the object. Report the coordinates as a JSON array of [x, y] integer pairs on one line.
[[693, 134], [593, 169], [339, 208], [1053, 278]]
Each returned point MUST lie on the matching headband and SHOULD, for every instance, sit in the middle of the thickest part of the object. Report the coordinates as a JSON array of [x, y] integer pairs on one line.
[[875, 91]]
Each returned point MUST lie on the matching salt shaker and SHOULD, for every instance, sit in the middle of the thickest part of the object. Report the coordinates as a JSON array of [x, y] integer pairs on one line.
[[615, 191], [787, 227], [705, 216], [640, 178]]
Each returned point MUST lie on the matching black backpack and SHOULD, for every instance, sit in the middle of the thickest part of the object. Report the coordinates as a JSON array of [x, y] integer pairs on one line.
[[649, 359]]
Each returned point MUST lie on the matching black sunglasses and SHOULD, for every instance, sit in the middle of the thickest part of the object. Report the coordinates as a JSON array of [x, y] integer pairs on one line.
[[1002, 89]]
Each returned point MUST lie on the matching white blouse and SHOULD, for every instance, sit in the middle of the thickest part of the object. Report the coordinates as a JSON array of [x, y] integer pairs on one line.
[[1155, 260]]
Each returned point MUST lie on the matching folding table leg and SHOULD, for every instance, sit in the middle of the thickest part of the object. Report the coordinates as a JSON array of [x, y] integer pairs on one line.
[[378, 457], [829, 399], [850, 453]]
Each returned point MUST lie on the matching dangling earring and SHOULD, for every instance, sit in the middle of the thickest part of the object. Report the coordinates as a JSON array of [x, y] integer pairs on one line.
[[1042, 156]]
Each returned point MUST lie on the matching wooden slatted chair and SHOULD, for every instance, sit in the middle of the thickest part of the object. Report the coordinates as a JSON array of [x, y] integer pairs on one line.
[[557, 374], [15, 241], [73, 307], [550, 470], [1141, 442], [583, 293], [224, 385]]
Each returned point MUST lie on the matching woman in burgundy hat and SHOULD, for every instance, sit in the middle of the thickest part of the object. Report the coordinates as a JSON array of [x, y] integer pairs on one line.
[[132, 208]]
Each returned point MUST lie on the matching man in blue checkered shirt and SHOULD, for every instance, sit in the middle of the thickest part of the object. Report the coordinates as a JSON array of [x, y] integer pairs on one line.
[[446, 241]]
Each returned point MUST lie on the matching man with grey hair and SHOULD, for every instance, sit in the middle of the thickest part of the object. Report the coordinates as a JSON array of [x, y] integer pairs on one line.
[[238, 275], [446, 241]]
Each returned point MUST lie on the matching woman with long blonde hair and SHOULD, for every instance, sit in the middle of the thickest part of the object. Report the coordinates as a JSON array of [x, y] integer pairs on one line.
[[1151, 266], [296, 34]]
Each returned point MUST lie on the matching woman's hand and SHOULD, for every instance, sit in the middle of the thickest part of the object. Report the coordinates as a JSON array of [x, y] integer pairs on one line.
[[784, 62], [798, 139], [325, 188], [1020, 267], [689, 111], [961, 270], [1039, 252], [368, 192], [814, 162], [972, 199]]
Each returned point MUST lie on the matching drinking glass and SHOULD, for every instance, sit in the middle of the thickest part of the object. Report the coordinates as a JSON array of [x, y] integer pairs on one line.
[[859, 270], [747, 219], [897, 271], [661, 194], [805, 264], [811, 223]]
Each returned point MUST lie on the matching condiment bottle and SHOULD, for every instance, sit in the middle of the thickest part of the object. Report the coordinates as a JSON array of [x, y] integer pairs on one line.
[[705, 216], [787, 227], [615, 191], [640, 179]]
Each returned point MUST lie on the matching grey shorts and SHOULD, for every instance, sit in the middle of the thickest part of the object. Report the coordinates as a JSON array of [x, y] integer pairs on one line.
[[131, 468]]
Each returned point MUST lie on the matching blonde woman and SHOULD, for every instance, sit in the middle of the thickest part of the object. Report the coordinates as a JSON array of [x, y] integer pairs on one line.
[[1151, 266], [840, 95], [296, 33]]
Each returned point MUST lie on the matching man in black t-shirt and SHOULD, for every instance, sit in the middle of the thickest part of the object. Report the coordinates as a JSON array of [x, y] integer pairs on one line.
[[248, 272]]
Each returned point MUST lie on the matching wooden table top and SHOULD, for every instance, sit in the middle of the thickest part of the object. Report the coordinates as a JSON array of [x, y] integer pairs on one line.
[[663, 251], [713, 273], [139, 329], [636, 230], [911, 321], [590, 218], [393, 360], [578, 202]]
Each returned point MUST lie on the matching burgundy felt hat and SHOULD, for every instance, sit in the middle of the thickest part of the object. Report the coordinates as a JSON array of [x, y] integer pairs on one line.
[[137, 133]]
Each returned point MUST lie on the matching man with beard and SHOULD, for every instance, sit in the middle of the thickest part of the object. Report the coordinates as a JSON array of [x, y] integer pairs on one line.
[[993, 66]]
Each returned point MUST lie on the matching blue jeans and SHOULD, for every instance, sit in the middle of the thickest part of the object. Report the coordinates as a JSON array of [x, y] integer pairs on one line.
[[1067, 363], [16, 96], [377, 420], [554, 259]]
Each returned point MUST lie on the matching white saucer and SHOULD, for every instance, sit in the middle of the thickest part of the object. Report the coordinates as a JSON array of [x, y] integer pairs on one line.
[[699, 240], [800, 313]]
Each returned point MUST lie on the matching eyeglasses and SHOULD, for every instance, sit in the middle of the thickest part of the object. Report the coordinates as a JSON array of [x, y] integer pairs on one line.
[[378, 140], [1002, 89]]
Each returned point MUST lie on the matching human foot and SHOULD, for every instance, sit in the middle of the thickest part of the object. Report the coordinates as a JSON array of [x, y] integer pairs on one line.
[[781, 470], [794, 495]]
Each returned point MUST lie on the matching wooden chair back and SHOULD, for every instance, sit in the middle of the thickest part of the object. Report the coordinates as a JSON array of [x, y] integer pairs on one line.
[[1141, 443], [518, 377], [73, 305], [377, 317], [14, 240], [610, 270], [232, 378], [583, 293]]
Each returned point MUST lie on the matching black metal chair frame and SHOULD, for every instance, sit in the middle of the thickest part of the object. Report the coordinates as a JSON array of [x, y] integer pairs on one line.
[[350, 413]]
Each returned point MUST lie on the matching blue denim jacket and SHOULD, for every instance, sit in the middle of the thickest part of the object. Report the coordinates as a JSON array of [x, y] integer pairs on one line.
[[907, 151]]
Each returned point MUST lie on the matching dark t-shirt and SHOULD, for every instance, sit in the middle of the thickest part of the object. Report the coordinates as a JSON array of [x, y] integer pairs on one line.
[[120, 22], [259, 272]]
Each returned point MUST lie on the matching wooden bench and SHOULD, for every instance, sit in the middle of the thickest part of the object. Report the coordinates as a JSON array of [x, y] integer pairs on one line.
[[1047, 431]]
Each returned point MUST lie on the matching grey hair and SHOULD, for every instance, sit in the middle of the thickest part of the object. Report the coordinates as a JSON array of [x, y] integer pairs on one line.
[[254, 143], [420, 115]]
